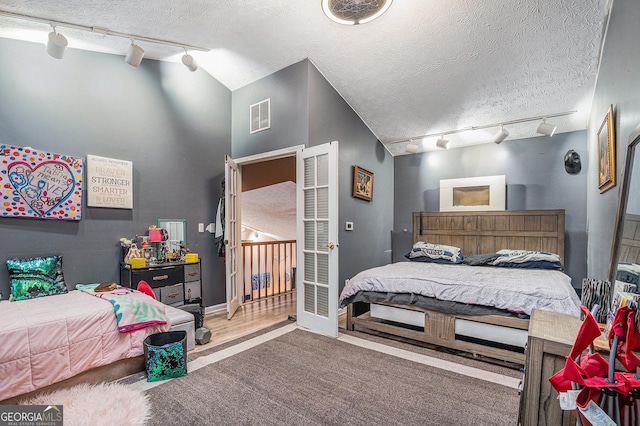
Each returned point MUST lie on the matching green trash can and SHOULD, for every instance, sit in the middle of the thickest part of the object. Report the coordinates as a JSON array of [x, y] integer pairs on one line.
[[165, 355]]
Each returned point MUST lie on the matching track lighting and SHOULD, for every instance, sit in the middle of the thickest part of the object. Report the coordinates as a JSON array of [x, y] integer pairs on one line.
[[412, 148], [57, 44], [501, 135], [189, 62], [546, 129], [442, 143], [134, 55]]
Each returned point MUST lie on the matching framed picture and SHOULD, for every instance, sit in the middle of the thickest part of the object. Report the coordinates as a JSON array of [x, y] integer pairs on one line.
[[606, 153], [362, 183]]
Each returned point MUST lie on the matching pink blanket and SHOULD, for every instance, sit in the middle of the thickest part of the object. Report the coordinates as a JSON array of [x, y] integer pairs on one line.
[[134, 310], [49, 339]]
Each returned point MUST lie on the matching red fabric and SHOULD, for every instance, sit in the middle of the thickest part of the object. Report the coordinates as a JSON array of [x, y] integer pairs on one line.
[[145, 288], [624, 327]]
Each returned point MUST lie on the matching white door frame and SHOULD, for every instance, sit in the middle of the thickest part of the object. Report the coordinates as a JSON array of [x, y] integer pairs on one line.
[[239, 162]]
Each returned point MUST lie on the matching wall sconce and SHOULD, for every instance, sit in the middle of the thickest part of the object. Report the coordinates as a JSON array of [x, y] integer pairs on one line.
[[57, 44], [546, 129], [442, 143], [501, 135]]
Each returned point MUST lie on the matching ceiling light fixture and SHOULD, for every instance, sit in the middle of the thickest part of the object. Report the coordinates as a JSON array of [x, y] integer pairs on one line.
[[504, 123], [546, 129], [411, 148], [189, 62], [501, 135], [134, 55], [57, 44], [354, 12], [442, 143]]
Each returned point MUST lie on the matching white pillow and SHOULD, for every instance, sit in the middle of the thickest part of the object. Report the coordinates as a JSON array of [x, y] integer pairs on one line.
[[436, 251], [522, 256]]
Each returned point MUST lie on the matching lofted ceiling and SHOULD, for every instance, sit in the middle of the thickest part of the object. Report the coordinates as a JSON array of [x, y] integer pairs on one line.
[[425, 67]]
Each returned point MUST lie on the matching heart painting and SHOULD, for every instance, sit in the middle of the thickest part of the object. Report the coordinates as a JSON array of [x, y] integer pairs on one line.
[[40, 185]]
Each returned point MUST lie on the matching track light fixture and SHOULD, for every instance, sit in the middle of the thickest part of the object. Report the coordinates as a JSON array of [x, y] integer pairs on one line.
[[546, 129], [57, 44], [501, 135], [442, 143], [134, 55], [189, 62], [412, 148]]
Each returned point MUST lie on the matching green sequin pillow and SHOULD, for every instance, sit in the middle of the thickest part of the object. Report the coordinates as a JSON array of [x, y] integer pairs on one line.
[[37, 277]]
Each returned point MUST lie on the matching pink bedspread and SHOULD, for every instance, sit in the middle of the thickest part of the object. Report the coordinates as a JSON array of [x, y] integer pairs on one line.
[[49, 339]]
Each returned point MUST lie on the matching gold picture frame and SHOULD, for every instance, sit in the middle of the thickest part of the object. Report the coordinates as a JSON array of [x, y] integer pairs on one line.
[[362, 183], [606, 153]]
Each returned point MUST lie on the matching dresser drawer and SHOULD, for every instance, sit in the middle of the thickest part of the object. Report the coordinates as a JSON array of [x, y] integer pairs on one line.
[[192, 272], [192, 291], [158, 277], [172, 294]]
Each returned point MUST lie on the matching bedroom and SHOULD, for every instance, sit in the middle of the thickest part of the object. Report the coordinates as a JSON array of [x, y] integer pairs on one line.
[[177, 127]]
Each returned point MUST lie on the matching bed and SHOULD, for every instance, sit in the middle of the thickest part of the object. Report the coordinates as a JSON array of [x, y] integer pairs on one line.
[[487, 314], [48, 340]]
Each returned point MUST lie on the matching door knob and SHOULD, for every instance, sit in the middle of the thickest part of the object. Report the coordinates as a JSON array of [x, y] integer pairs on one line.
[[331, 246]]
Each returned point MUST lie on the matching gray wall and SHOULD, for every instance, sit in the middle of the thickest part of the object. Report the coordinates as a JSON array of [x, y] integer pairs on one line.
[[174, 125], [287, 90], [535, 178], [331, 119], [618, 85], [307, 110]]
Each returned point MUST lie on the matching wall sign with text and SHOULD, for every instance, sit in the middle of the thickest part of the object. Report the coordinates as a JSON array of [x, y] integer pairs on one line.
[[40, 184], [109, 183]]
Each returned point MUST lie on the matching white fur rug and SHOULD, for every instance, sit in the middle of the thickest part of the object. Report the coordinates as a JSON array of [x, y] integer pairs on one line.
[[101, 404]]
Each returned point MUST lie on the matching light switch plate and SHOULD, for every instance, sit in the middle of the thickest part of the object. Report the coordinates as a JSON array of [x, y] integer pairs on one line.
[[348, 226], [201, 227]]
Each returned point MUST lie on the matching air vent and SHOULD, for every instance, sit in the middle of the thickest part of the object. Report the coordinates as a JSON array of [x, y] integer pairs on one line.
[[260, 116]]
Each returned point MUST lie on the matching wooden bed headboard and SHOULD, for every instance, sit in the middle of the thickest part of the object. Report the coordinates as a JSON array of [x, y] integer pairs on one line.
[[490, 231]]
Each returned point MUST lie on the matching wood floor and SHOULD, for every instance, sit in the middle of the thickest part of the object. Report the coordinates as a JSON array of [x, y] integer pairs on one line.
[[249, 318], [252, 317]]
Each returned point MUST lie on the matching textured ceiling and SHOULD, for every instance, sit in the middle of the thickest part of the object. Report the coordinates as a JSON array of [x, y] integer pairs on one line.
[[424, 67], [271, 210]]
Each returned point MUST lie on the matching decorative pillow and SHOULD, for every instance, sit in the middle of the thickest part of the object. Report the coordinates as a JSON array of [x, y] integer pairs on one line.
[[540, 264], [448, 254], [527, 259], [481, 259], [36, 277], [145, 288]]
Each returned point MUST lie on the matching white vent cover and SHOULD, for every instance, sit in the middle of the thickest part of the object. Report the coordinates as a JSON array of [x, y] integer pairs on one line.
[[260, 116]]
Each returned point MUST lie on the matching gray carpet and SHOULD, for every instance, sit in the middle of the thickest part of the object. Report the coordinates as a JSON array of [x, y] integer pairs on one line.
[[302, 378]]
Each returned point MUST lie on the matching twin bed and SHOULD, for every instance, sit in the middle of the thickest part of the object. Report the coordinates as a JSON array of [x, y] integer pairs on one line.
[[483, 310], [57, 338]]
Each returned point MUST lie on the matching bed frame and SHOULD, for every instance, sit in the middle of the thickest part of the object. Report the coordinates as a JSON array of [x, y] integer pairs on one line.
[[475, 233]]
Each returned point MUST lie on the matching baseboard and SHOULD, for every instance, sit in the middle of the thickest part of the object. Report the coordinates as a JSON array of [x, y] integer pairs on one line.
[[215, 308]]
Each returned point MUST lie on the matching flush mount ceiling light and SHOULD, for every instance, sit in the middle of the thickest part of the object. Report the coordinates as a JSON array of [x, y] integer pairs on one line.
[[501, 135], [354, 12], [546, 129], [134, 55], [189, 62], [57, 44], [443, 143]]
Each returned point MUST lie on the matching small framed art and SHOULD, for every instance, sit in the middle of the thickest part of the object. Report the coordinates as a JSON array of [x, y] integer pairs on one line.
[[607, 153], [362, 183]]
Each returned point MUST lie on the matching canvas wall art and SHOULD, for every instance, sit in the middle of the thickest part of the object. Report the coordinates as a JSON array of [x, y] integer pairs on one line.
[[42, 185]]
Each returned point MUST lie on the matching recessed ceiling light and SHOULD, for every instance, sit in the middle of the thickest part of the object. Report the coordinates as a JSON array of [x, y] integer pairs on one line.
[[354, 12]]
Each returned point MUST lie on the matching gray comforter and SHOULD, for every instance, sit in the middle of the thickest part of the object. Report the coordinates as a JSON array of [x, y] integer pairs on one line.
[[511, 289]]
